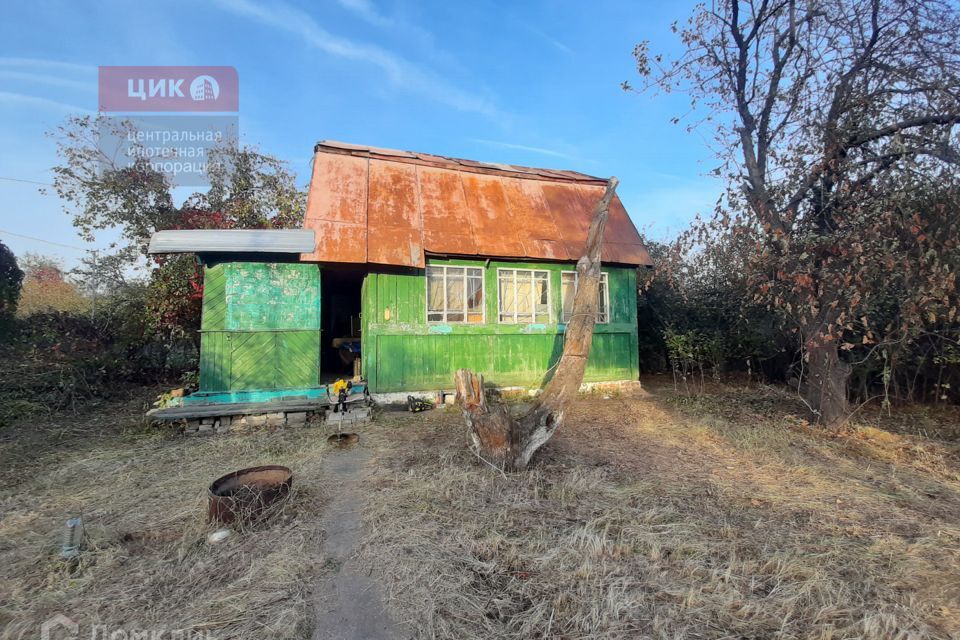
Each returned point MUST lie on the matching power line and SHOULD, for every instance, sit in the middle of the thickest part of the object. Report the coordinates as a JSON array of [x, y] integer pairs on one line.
[[42, 184], [57, 244]]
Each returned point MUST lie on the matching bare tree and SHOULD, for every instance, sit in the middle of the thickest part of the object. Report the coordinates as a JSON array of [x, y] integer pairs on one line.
[[820, 107], [509, 443]]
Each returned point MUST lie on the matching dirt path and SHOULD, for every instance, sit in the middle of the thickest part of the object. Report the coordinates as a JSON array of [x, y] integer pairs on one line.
[[348, 605]]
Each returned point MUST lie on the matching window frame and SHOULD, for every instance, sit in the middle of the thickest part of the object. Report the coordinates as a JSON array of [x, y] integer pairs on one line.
[[533, 309], [604, 279], [446, 311]]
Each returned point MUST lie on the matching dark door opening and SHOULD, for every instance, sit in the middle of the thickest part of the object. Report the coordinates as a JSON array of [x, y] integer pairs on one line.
[[340, 322]]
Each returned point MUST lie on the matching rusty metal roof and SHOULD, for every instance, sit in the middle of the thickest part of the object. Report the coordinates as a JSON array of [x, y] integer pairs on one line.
[[383, 206]]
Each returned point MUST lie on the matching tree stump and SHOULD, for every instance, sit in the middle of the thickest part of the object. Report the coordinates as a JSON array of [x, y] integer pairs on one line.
[[509, 443]]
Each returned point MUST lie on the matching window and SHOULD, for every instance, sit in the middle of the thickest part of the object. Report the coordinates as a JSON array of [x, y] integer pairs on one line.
[[568, 288], [524, 295], [454, 294]]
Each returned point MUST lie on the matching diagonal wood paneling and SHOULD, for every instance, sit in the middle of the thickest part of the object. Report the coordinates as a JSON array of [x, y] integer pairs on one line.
[[297, 355], [261, 326], [214, 362], [252, 361], [214, 301]]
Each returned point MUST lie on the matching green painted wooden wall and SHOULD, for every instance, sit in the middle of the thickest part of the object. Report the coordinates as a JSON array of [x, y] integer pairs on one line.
[[260, 327], [402, 352]]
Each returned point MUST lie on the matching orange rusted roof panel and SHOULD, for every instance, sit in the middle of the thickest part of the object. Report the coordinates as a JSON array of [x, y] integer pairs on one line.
[[533, 220], [394, 226], [381, 206], [337, 242], [337, 209], [495, 227], [568, 207], [621, 236], [447, 222]]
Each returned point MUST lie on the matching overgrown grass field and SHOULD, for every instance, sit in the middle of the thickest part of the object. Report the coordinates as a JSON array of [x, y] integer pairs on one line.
[[657, 514]]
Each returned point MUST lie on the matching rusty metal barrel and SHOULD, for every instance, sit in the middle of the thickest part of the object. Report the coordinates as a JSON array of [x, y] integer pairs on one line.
[[248, 495]]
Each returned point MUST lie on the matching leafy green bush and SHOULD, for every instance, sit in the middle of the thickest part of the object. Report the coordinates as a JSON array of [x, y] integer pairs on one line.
[[696, 315]]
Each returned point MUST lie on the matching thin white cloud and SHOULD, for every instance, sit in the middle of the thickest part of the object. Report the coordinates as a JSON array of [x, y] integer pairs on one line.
[[367, 11], [523, 147], [20, 99], [549, 39], [399, 71], [42, 78], [41, 63], [409, 32], [66, 75]]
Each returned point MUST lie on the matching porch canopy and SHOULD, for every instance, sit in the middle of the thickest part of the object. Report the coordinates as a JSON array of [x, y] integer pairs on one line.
[[231, 241]]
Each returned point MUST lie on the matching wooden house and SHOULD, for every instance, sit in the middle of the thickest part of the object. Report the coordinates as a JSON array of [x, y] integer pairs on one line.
[[411, 266]]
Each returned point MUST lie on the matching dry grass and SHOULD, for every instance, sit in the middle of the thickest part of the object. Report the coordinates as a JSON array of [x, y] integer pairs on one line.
[[142, 494], [662, 516], [719, 516]]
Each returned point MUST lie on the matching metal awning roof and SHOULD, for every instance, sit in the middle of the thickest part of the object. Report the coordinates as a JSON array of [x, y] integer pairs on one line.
[[233, 241]]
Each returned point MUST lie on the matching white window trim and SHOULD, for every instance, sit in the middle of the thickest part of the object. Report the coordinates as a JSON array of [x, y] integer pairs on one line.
[[576, 281], [533, 308], [426, 297]]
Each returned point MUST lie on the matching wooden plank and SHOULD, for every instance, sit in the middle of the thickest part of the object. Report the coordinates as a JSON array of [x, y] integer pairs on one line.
[[214, 362], [235, 409], [214, 307], [296, 359], [405, 312], [252, 361], [368, 341]]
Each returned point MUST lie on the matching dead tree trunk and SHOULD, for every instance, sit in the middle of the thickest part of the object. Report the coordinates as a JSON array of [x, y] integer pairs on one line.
[[506, 442]]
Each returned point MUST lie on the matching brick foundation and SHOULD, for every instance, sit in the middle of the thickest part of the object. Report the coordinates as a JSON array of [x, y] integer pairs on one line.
[[225, 424]]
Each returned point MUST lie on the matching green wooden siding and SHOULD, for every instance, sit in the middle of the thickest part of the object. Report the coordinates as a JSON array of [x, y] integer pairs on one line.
[[402, 352], [261, 326], [253, 296]]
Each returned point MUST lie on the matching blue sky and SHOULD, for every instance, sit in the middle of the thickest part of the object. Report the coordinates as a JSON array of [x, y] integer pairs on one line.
[[533, 83]]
